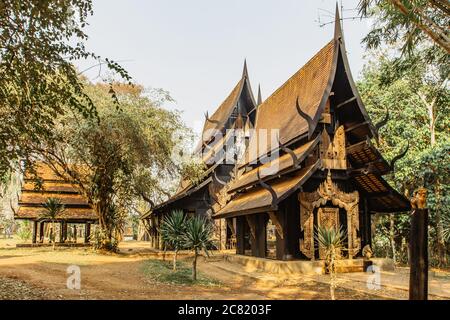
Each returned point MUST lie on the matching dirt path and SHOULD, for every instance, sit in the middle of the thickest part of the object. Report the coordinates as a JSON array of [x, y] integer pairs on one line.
[[40, 273]]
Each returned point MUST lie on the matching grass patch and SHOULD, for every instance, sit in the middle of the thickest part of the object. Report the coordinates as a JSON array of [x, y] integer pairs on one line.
[[161, 271]]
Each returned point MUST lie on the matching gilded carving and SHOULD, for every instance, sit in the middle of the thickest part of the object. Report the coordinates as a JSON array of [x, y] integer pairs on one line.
[[333, 152], [329, 191]]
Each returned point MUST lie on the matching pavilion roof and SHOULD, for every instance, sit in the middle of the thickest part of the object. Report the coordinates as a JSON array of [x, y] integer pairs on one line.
[[52, 185]]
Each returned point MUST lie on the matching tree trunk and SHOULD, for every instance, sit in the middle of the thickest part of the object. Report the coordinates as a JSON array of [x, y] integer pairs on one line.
[[175, 260], [392, 237], [194, 266], [430, 105]]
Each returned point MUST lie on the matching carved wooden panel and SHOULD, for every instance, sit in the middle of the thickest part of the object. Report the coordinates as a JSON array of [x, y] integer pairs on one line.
[[328, 217], [333, 153], [329, 191]]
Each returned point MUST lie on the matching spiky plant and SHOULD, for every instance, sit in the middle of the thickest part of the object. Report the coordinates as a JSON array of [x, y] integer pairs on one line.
[[172, 232], [331, 240], [53, 208], [197, 237]]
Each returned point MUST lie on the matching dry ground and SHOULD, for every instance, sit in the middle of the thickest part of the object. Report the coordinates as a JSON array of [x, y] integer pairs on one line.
[[40, 273]]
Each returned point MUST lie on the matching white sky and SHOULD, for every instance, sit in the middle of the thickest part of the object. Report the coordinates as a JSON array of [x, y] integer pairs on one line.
[[195, 49]]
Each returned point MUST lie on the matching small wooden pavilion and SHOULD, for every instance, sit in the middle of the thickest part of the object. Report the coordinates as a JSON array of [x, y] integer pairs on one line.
[[34, 195]]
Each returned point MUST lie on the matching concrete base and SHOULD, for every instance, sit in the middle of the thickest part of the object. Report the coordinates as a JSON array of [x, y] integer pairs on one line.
[[251, 264]]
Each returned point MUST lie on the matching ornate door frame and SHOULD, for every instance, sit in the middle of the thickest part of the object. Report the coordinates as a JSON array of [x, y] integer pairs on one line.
[[329, 191]]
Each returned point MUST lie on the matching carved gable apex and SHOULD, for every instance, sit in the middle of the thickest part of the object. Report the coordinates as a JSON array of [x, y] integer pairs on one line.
[[333, 152]]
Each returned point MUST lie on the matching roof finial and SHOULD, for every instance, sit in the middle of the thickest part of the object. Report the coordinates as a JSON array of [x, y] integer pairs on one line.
[[337, 24], [245, 71], [259, 95]]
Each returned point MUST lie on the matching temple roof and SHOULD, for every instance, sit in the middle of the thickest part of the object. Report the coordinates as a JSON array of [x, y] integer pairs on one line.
[[32, 199], [219, 118], [309, 85], [259, 199]]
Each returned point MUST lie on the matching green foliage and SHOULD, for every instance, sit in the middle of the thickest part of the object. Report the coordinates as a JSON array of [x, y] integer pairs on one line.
[[6, 225], [418, 100], [53, 208], [120, 159], [173, 229], [198, 234], [410, 23], [197, 237], [161, 272], [24, 230], [331, 240], [38, 83]]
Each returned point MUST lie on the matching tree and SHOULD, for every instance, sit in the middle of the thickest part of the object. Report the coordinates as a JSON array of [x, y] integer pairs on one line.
[[124, 156], [172, 231], [39, 41], [410, 21], [417, 96], [197, 237], [54, 208], [332, 242]]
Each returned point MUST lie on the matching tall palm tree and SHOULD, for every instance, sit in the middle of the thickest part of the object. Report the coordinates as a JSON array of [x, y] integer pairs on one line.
[[332, 242], [53, 208], [197, 237], [172, 231]]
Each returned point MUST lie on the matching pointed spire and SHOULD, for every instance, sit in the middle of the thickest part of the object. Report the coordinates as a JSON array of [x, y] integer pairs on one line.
[[259, 95], [337, 24], [245, 71]]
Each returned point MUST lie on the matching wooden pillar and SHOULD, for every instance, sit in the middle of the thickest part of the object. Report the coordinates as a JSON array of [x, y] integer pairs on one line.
[[240, 235], [61, 232], [75, 233], [418, 248], [87, 232], [35, 227], [41, 231], [256, 223], [64, 233], [288, 245]]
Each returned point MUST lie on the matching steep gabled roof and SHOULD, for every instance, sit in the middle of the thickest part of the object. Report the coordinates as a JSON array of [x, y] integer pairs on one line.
[[311, 86], [31, 200], [218, 119]]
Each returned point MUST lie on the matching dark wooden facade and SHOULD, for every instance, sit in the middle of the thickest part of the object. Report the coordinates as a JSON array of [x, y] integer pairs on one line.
[[323, 170]]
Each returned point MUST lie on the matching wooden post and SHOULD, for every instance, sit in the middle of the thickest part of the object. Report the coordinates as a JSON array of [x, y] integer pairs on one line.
[[64, 233], [240, 235], [61, 232], [418, 248], [41, 231], [87, 232], [75, 233], [35, 227]]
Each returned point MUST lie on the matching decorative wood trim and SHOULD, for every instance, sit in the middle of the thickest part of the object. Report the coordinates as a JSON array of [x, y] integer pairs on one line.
[[329, 191], [276, 222]]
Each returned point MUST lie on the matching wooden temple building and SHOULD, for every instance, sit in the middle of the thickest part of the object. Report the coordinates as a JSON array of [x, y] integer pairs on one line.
[[237, 113], [76, 208], [322, 170]]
